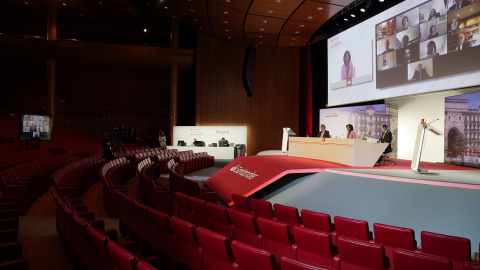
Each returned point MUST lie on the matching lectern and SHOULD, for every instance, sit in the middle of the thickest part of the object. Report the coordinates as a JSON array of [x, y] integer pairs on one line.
[[417, 152], [286, 132]]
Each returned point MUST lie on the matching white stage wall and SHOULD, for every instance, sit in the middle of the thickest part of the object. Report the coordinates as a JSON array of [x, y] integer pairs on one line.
[[210, 134], [429, 107]]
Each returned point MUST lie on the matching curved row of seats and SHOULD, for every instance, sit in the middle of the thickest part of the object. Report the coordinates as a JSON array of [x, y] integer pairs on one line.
[[76, 177], [29, 180], [178, 183], [10, 248], [15, 158]]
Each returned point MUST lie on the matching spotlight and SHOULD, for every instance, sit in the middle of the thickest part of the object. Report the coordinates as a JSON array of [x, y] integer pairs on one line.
[[362, 10], [353, 15], [345, 19]]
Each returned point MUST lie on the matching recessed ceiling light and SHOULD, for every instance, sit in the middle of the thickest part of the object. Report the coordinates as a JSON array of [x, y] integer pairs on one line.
[[292, 43], [294, 38], [225, 21], [64, 4], [345, 19], [166, 7], [144, 30], [260, 36], [227, 30], [297, 32], [229, 37], [200, 28], [101, 3], [195, 20], [26, 3], [380, 0], [320, 8], [261, 42], [309, 17], [353, 15], [362, 10], [81, 15], [261, 29], [225, 12], [264, 21], [278, 1], [191, 10], [228, 1], [270, 11], [302, 25], [173, 16]]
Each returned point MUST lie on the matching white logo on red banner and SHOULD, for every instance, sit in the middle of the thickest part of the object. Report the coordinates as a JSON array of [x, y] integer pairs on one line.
[[243, 172]]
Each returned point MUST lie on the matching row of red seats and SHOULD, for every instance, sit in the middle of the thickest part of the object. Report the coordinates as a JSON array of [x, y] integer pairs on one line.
[[151, 192], [15, 158], [76, 177], [10, 248], [114, 174], [157, 233], [195, 161], [12, 147], [179, 183], [29, 180], [457, 250]]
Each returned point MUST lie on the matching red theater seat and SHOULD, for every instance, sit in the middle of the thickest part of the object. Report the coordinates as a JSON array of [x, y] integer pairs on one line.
[[145, 239], [357, 254], [187, 248], [184, 211], [121, 258], [217, 252], [220, 220], [317, 221], [352, 228], [471, 266], [392, 237], [262, 208], [276, 237], [289, 263], [142, 265], [241, 203], [409, 260], [314, 246], [99, 243], [287, 214], [245, 228], [252, 258], [163, 238], [454, 248], [200, 213]]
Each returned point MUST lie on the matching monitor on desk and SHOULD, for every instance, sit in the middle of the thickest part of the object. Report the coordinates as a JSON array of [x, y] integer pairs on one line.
[[214, 144], [181, 143], [199, 143]]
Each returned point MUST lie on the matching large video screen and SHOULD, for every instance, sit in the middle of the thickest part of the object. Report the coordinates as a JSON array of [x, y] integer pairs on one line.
[[35, 127], [414, 47]]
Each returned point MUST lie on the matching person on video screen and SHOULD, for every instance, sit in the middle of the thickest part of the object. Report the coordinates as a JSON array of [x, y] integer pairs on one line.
[[432, 49], [405, 40], [462, 44], [385, 66], [405, 23], [433, 32], [459, 4], [433, 14], [454, 24], [387, 47], [348, 71], [420, 73], [421, 17]]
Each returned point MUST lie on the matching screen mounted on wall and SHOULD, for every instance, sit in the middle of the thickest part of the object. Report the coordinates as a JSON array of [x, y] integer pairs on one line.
[[35, 127]]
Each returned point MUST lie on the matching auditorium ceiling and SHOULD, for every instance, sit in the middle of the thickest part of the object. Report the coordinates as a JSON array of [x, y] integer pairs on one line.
[[278, 23]]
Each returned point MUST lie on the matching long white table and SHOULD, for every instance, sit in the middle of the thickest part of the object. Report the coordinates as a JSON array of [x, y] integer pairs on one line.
[[217, 152], [352, 152]]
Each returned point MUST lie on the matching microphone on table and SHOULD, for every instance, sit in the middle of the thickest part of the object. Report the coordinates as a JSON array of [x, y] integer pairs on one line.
[[341, 135], [432, 121]]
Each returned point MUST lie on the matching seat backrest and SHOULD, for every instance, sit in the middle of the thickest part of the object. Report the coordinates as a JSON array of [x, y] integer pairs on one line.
[[357, 254], [248, 257], [241, 203], [276, 237], [122, 258], [142, 265], [262, 208], [217, 252], [455, 248], [393, 236], [314, 246], [317, 221], [287, 214], [245, 228], [187, 248], [183, 210], [220, 220], [410, 260], [471, 266], [162, 232], [352, 228], [99, 243], [200, 213], [289, 263]]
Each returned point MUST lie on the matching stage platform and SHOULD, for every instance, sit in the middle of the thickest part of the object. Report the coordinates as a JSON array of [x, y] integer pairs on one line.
[[446, 203]]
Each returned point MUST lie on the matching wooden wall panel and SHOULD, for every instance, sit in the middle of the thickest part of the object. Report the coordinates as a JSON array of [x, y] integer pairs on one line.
[[222, 100]]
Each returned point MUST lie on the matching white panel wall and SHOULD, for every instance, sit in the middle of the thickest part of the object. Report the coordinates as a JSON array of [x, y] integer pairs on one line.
[[210, 134], [429, 107]]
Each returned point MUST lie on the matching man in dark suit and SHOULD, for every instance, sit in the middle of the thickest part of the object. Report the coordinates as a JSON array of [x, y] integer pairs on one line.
[[385, 138], [420, 73], [459, 4], [323, 132], [461, 44]]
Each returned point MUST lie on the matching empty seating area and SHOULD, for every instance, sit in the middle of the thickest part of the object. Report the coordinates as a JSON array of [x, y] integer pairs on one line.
[[10, 248], [179, 183]]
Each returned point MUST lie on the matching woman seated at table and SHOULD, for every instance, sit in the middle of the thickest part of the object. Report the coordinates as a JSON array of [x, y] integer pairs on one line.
[[350, 132]]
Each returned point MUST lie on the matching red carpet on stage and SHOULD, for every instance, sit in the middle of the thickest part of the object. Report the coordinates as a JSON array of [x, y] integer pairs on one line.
[[247, 175]]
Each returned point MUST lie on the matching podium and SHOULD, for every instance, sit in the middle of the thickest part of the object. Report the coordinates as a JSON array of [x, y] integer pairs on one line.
[[417, 151], [286, 133]]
